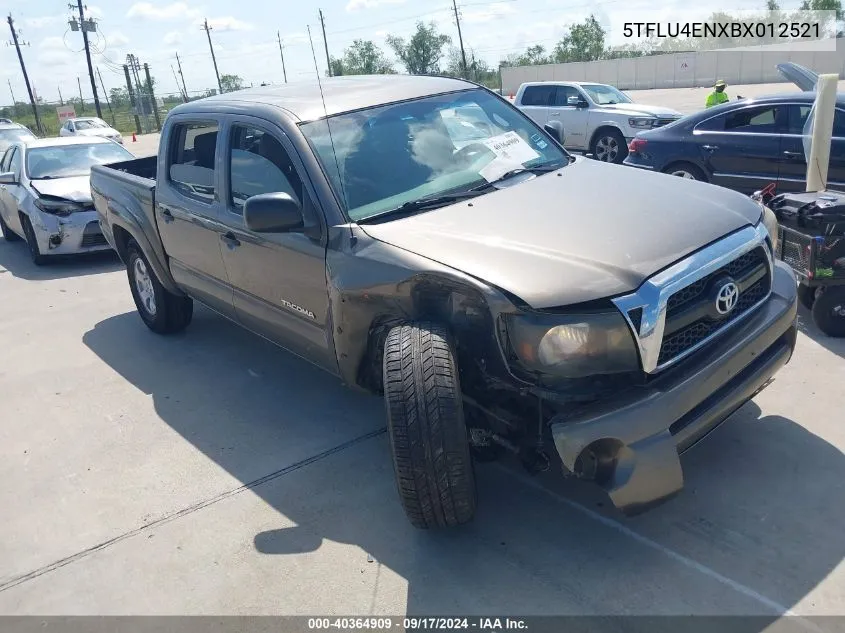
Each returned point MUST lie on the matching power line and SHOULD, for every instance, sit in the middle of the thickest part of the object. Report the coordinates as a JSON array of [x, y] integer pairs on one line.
[[23, 70], [182, 75], [214, 59]]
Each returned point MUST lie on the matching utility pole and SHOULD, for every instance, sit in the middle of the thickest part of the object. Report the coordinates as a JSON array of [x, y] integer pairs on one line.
[[152, 96], [460, 37], [182, 75], [105, 94], [12, 91], [23, 70], [61, 101], [84, 28], [325, 42], [81, 101], [132, 98], [282, 51], [181, 92], [213, 58]]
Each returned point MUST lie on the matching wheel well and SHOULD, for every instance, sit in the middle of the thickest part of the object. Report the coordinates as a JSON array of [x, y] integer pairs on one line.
[[602, 129], [121, 241]]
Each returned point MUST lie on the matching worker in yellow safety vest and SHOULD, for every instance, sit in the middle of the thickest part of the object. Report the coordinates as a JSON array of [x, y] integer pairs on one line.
[[718, 95]]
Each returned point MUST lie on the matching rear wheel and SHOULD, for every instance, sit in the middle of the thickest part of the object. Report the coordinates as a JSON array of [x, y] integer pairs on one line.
[[685, 170], [8, 234], [829, 311], [32, 242], [425, 420], [162, 311], [609, 146]]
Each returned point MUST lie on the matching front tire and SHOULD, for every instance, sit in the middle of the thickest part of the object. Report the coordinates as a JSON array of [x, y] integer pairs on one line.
[[425, 420], [32, 242], [8, 234], [829, 311], [162, 311], [609, 146]]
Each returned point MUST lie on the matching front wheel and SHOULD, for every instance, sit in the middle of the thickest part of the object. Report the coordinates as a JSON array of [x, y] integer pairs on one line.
[[32, 242], [609, 146], [162, 311], [829, 311], [425, 421]]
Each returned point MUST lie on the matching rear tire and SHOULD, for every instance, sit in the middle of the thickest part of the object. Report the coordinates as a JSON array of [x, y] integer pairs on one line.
[[8, 234], [428, 434], [32, 242], [685, 170], [829, 311], [807, 296], [162, 311]]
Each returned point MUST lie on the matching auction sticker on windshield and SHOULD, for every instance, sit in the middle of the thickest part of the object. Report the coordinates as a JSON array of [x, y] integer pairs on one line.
[[511, 151]]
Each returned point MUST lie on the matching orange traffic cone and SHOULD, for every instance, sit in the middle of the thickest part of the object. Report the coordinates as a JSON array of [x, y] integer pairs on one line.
[[133, 137]]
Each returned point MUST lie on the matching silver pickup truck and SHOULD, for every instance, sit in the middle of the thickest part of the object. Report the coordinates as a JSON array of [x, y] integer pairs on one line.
[[423, 239]]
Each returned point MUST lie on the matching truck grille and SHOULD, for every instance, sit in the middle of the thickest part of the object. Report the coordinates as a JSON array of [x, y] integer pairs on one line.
[[692, 314]]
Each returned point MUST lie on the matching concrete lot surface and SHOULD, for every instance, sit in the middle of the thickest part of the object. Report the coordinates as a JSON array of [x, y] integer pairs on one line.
[[212, 473]]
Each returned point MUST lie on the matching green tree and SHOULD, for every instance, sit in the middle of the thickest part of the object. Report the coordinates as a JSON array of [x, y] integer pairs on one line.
[[362, 58], [532, 56], [119, 97], [421, 54], [230, 83], [583, 43], [823, 5]]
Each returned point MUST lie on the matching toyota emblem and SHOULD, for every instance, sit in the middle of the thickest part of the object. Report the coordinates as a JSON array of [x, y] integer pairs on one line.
[[726, 298]]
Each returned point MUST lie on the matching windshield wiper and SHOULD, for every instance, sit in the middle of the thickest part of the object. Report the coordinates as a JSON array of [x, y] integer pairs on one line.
[[431, 202], [544, 169]]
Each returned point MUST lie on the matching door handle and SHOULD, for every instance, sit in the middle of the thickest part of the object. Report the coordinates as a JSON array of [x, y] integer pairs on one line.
[[230, 240], [792, 154], [167, 215], [710, 148], [554, 113]]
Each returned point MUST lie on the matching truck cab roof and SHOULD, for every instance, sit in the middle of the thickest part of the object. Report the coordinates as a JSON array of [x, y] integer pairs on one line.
[[305, 101]]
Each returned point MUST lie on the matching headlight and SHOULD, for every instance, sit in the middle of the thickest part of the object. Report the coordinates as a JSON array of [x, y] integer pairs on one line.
[[642, 122], [58, 207], [573, 346], [770, 221]]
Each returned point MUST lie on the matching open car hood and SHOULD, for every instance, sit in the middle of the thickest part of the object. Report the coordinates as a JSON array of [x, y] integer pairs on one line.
[[802, 77]]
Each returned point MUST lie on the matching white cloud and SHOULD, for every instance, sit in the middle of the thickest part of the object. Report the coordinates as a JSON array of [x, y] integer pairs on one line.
[[173, 38], [116, 40], [53, 43], [229, 23], [495, 11], [93, 11], [173, 11], [53, 57], [47, 20], [355, 5]]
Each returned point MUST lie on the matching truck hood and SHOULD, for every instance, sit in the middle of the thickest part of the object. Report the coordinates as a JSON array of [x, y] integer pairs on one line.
[[589, 231], [74, 188], [635, 109]]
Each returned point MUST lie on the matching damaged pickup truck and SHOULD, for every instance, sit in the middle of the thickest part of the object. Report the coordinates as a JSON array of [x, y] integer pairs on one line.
[[421, 238]]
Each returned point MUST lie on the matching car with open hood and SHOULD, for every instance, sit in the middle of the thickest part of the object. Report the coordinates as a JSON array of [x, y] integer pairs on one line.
[[424, 240], [746, 144]]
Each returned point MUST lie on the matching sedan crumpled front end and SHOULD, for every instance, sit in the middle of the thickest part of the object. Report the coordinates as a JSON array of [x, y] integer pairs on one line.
[[63, 227]]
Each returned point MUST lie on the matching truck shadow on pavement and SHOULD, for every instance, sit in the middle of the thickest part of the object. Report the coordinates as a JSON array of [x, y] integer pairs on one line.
[[757, 528], [15, 259]]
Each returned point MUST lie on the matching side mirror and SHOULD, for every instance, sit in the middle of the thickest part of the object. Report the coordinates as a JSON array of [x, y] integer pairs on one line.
[[8, 178], [578, 102], [272, 213], [555, 129]]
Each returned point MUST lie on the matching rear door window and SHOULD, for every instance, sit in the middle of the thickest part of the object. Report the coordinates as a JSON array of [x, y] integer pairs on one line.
[[538, 95], [192, 158]]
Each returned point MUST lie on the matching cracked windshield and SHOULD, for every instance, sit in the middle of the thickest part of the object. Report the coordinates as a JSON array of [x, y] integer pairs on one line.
[[389, 156]]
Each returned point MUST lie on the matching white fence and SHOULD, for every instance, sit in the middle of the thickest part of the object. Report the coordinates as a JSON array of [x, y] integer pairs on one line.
[[751, 65]]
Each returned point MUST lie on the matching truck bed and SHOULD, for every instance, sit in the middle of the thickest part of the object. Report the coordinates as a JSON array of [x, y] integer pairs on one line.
[[142, 167]]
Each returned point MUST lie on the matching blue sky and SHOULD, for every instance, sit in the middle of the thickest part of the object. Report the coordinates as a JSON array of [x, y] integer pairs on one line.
[[244, 34]]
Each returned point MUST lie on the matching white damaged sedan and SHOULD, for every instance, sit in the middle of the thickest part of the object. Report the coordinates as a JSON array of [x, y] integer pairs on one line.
[[45, 194]]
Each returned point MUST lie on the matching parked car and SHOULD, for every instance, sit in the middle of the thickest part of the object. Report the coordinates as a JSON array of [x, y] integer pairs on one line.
[[481, 290], [90, 126], [598, 118], [745, 145], [13, 132], [45, 197]]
